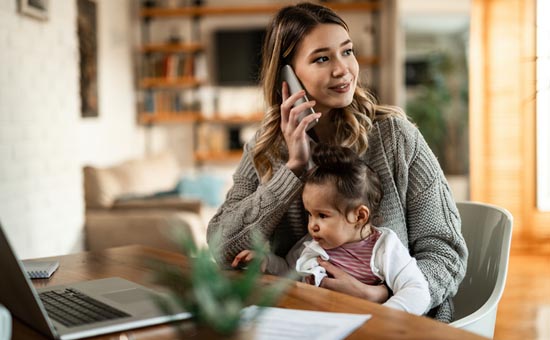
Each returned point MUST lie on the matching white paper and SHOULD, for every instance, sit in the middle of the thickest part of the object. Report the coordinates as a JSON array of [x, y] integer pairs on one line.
[[282, 324]]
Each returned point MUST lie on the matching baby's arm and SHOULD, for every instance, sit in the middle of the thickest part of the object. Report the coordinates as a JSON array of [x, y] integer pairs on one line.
[[392, 262], [277, 265], [271, 264]]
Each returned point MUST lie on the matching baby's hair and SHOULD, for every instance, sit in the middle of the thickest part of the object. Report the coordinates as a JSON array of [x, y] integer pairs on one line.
[[355, 182]]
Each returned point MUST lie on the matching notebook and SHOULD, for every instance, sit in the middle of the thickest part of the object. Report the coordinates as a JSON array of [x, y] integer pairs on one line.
[[120, 304], [40, 269]]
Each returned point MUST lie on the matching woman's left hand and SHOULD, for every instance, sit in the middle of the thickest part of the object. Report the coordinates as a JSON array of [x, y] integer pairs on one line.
[[343, 282]]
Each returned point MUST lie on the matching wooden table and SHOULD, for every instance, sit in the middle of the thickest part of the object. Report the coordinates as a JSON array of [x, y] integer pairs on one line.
[[128, 262]]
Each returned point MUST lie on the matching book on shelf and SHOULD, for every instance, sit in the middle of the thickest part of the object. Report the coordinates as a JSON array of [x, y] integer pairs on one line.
[[188, 66], [152, 66], [169, 66], [149, 101], [164, 101]]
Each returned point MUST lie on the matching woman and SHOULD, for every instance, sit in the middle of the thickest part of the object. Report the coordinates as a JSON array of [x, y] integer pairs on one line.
[[265, 197]]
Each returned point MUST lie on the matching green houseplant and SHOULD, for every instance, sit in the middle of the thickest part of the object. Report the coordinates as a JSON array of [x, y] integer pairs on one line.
[[215, 297], [427, 107], [438, 106]]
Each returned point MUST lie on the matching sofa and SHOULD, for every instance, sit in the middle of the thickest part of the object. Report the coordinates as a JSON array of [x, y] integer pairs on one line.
[[134, 202]]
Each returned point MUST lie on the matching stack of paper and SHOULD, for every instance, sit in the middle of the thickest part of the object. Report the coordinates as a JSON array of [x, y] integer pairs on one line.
[[281, 324]]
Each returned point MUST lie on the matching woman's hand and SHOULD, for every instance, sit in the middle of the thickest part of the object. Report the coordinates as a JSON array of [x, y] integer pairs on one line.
[[345, 283], [294, 132]]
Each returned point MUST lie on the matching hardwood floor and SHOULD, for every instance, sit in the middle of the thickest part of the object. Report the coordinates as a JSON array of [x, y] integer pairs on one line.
[[527, 289]]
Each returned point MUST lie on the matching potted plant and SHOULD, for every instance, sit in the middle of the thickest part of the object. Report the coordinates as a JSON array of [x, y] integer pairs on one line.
[[215, 297]]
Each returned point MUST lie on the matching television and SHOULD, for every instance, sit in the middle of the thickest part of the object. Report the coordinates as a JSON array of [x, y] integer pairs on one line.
[[417, 72], [238, 56]]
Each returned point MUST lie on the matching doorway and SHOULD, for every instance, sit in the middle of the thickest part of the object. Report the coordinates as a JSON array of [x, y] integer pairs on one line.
[[436, 83]]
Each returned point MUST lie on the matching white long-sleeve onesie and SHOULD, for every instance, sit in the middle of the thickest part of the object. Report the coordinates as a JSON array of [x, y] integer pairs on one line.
[[390, 261]]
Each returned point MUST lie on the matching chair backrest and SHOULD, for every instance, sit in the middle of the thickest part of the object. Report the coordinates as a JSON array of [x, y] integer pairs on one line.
[[487, 230]]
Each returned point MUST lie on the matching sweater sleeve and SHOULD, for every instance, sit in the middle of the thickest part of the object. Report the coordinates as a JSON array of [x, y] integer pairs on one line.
[[433, 223], [250, 208], [277, 265], [393, 264]]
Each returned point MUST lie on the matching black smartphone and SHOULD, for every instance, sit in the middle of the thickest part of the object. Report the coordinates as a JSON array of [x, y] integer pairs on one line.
[[294, 85]]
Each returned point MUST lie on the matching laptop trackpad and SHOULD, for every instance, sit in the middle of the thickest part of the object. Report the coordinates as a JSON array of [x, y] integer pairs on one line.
[[129, 296]]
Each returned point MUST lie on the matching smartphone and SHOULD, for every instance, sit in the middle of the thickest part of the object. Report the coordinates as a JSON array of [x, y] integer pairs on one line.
[[294, 85]]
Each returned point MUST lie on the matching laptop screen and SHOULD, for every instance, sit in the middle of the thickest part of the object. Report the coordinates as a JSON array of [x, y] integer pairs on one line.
[[17, 293]]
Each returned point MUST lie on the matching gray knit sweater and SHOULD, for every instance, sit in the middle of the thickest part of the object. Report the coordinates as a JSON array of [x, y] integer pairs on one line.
[[417, 205]]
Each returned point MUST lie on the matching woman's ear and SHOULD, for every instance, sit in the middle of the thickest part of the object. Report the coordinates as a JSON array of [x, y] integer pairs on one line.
[[362, 214]]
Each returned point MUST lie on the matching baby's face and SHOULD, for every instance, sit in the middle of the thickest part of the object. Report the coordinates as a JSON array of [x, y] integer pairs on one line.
[[326, 224]]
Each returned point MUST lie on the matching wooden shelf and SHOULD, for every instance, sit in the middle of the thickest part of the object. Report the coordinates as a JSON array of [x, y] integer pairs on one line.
[[251, 9], [194, 116], [256, 118], [218, 156], [183, 82], [367, 60], [172, 48], [168, 117]]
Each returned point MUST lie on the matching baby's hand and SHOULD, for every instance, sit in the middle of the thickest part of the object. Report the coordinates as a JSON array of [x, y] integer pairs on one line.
[[242, 259]]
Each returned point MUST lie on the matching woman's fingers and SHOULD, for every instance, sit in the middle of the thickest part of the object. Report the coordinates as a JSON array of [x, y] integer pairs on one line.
[[337, 278], [345, 283], [331, 269]]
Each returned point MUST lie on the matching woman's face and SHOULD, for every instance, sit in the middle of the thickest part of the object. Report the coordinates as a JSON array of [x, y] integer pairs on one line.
[[325, 64]]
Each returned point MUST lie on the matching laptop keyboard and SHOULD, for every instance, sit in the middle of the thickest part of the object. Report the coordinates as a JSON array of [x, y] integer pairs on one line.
[[73, 308]]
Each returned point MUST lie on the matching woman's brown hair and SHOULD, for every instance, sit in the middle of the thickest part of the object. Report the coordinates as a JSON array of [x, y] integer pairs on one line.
[[352, 125]]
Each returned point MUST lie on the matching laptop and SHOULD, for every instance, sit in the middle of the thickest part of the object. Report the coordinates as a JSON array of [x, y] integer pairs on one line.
[[102, 306]]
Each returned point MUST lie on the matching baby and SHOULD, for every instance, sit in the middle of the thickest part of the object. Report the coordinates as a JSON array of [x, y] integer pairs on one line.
[[341, 196]]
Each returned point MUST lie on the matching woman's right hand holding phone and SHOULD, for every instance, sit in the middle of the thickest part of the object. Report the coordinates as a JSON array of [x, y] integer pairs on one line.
[[294, 131]]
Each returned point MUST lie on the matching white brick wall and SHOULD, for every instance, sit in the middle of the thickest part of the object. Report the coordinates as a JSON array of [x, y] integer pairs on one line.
[[41, 208], [43, 140]]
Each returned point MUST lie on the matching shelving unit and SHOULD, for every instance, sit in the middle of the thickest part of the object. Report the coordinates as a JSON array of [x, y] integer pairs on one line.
[[168, 93], [217, 156], [249, 9]]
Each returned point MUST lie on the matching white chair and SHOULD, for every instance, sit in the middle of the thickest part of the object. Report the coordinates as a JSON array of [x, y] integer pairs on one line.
[[487, 230]]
